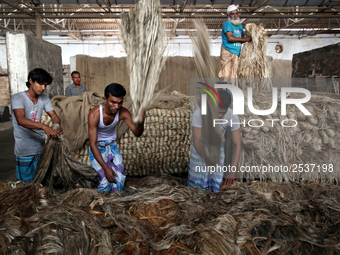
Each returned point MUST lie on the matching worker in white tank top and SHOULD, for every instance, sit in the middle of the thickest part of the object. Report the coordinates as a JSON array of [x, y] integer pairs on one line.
[[102, 122]]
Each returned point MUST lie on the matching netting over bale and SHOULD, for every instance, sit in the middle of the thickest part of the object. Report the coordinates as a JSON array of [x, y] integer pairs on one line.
[[160, 216]]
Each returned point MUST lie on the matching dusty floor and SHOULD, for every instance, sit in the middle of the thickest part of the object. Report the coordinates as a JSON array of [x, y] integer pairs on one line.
[[7, 157]]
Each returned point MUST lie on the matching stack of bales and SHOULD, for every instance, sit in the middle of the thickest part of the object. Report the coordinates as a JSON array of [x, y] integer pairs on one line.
[[165, 143], [309, 140], [163, 147]]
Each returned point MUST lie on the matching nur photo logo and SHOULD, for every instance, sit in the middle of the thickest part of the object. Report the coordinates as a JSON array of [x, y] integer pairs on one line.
[[239, 101]]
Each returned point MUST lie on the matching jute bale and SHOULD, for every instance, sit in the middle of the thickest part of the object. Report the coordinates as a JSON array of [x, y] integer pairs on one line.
[[164, 145], [294, 139]]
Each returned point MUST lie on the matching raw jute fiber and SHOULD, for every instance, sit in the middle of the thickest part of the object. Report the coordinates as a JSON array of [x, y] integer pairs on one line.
[[59, 171], [143, 35], [253, 70], [314, 139], [211, 136], [161, 216]]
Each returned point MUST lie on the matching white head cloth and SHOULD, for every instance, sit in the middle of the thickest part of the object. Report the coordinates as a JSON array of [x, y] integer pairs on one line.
[[231, 8]]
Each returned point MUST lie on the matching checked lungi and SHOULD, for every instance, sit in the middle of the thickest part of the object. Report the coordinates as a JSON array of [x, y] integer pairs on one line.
[[114, 160], [199, 175], [26, 167], [229, 62]]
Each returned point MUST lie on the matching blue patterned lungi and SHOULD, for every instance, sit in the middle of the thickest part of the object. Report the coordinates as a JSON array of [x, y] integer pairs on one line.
[[26, 167], [204, 179], [114, 160]]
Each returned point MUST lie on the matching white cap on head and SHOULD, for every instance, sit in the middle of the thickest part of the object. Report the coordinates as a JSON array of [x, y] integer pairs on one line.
[[231, 8]]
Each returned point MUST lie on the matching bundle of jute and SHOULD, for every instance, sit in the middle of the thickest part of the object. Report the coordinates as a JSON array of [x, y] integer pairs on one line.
[[143, 35], [60, 171], [211, 135], [160, 216], [306, 145], [253, 70]]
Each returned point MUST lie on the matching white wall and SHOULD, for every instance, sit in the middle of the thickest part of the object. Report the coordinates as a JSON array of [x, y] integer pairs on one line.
[[179, 46], [182, 46], [292, 44], [17, 62], [3, 56]]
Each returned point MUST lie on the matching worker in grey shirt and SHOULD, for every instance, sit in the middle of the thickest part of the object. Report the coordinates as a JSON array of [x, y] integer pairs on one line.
[[27, 108], [75, 88]]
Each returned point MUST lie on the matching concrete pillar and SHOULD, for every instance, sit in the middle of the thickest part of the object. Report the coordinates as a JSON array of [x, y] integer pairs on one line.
[[38, 25]]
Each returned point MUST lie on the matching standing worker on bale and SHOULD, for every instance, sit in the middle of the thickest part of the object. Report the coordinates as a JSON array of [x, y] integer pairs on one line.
[[27, 108], [75, 88], [104, 154], [232, 39]]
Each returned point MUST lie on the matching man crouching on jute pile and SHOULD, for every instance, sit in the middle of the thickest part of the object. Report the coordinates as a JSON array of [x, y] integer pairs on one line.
[[104, 154]]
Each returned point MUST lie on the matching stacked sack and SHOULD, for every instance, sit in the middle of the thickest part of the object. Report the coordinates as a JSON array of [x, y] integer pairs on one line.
[[312, 139], [163, 147], [165, 143]]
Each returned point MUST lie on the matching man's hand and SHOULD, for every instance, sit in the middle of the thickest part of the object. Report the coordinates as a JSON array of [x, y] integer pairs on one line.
[[142, 116], [230, 180], [50, 132], [247, 39], [60, 131], [110, 174]]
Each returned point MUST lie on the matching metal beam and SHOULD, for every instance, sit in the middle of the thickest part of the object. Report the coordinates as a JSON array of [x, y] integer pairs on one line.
[[60, 30], [266, 1], [189, 13], [18, 8], [174, 16], [182, 7]]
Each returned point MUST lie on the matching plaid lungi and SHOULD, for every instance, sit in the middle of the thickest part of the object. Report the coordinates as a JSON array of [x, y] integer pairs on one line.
[[200, 176], [229, 62], [114, 160], [26, 167]]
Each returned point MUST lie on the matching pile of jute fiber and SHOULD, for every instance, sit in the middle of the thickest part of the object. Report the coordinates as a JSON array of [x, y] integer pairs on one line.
[[160, 216]]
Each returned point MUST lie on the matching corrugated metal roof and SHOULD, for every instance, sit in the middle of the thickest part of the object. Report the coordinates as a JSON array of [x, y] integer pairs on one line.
[[278, 16]]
